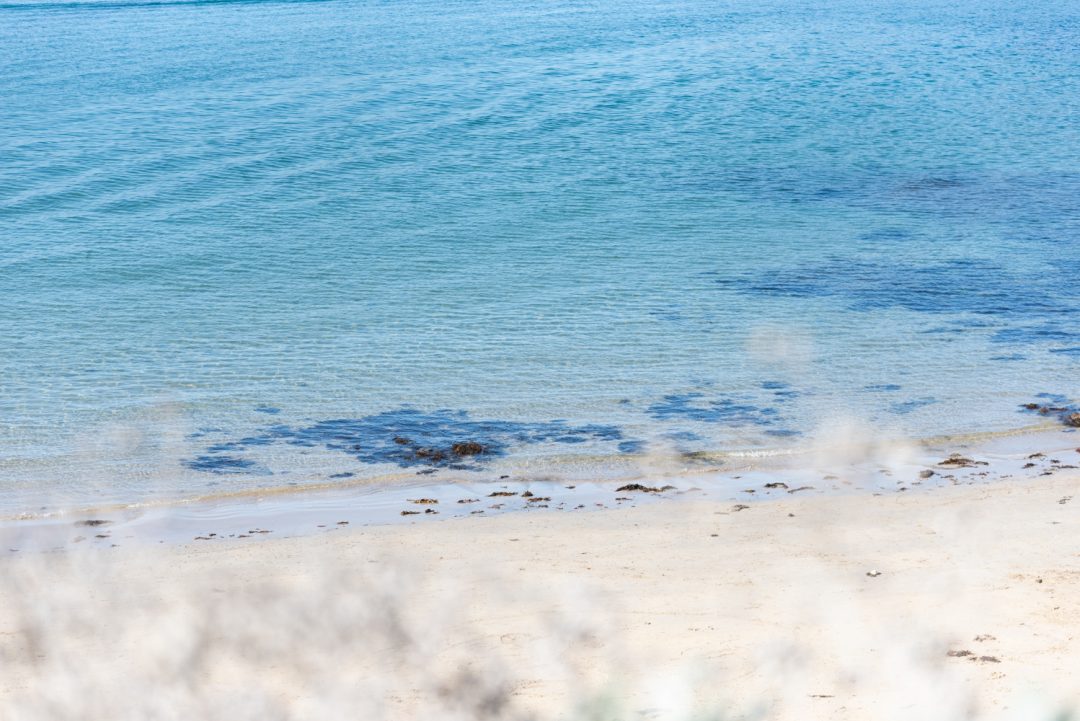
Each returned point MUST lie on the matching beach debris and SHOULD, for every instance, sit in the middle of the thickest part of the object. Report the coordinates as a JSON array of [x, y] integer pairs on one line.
[[1065, 500], [926, 474], [202, 538], [957, 460], [468, 500], [467, 448], [92, 522], [342, 523], [985, 637], [964, 653], [527, 494], [1029, 465], [570, 488], [800, 488], [987, 659], [497, 494], [537, 499], [644, 489], [873, 573], [1037, 455], [776, 484], [256, 530], [410, 513], [623, 498], [430, 510], [1068, 416], [739, 507], [424, 501]]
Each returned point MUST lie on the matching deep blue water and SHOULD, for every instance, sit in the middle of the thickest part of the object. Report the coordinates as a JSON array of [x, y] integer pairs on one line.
[[251, 243]]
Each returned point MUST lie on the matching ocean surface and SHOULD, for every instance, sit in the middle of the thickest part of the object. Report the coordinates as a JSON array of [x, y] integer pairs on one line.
[[249, 244]]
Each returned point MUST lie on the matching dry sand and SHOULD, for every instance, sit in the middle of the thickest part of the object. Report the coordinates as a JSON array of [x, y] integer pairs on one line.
[[672, 611]]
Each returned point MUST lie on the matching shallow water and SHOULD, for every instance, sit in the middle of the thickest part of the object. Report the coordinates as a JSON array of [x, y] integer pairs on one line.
[[249, 244]]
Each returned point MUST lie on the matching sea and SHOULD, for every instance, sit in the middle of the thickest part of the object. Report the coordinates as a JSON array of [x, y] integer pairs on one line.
[[253, 245]]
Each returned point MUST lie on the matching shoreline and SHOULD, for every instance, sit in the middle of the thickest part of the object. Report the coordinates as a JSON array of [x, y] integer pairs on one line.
[[860, 464]]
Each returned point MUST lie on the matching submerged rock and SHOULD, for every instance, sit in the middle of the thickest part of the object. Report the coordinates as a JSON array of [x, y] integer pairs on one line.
[[467, 448]]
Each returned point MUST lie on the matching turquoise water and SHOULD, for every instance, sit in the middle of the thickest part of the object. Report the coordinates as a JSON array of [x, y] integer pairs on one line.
[[248, 244]]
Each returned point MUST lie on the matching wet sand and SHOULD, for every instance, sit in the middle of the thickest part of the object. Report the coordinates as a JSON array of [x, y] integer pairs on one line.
[[952, 602]]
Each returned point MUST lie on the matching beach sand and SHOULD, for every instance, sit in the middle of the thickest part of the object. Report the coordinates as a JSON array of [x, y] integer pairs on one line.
[[945, 603]]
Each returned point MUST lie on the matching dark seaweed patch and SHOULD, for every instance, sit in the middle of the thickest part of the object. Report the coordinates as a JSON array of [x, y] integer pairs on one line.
[[1035, 334], [408, 437], [225, 464], [727, 411], [885, 235], [782, 432], [997, 296], [782, 391], [684, 436], [913, 405]]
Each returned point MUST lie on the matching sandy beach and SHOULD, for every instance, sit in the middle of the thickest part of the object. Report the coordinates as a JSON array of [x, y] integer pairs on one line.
[[944, 603]]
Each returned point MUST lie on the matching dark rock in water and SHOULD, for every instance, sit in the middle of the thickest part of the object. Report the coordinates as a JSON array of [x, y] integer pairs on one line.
[[926, 474], [468, 448], [1068, 415], [92, 522], [402, 441], [527, 494], [432, 454], [430, 510], [777, 484], [496, 494], [410, 513]]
